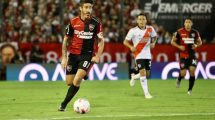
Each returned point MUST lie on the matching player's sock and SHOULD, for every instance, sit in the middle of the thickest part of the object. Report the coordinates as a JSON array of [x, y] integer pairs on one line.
[[70, 94], [136, 76], [144, 85], [191, 83], [179, 78], [178, 81]]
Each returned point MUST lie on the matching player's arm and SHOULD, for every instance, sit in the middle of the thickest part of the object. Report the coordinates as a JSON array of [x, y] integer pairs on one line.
[[127, 40], [153, 38], [175, 44], [101, 43], [198, 42], [64, 52], [128, 44], [153, 42], [69, 33]]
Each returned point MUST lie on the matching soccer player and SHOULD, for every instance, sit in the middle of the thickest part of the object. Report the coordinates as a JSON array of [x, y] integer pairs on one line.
[[84, 37], [187, 39], [143, 38]]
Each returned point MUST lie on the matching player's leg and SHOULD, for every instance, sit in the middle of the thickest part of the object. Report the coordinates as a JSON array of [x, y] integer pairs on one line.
[[69, 79], [83, 67], [73, 89], [148, 73], [192, 69], [134, 76], [182, 73], [78, 77], [143, 79], [148, 67], [71, 70], [144, 84]]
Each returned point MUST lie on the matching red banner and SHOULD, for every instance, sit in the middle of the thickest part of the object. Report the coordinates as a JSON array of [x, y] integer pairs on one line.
[[116, 52]]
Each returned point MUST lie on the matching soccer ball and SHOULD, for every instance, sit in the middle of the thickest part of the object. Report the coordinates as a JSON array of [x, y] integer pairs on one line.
[[81, 106]]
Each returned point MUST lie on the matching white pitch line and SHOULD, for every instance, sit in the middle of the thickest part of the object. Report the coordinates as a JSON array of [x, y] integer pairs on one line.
[[121, 116]]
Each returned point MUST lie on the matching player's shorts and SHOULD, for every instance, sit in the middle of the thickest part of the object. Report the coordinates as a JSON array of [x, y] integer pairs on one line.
[[143, 64], [76, 62], [185, 63]]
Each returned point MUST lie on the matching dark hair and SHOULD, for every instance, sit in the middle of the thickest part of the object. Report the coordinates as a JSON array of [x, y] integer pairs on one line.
[[141, 14], [7, 45], [86, 1]]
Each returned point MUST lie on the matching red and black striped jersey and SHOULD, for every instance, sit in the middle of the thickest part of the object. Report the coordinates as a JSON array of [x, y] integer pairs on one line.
[[187, 39], [83, 35]]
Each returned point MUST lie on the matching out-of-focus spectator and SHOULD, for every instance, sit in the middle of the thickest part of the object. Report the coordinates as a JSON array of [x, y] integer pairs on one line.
[[39, 20], [37, 55], [136, 11], [8, 55]]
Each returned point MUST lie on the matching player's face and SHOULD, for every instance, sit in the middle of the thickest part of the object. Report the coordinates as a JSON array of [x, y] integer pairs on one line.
[[141, 21], [86, 10], [188, 24]]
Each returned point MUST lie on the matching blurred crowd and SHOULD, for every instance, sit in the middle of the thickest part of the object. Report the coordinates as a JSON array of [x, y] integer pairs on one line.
[[44, 21]]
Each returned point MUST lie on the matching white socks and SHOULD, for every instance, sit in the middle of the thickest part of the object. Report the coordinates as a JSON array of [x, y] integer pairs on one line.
[[143, 82], [136, 76]]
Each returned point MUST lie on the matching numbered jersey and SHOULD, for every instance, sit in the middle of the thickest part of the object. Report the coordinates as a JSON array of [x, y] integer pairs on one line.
[[141, 40], [187, 39]]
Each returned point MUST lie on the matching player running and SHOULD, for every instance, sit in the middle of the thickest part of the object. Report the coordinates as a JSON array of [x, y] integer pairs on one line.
[[187, 40], [82, 34], [143, 38]]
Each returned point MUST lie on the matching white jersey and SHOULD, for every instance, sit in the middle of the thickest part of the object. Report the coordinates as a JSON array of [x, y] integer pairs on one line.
[[141, 40]]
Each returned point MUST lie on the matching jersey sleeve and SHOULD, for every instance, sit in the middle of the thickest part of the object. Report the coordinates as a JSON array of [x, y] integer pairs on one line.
[[197, 35], [177, 36], [154, 33], [99, 28], [69, 30], [129, 35], [99, 31]]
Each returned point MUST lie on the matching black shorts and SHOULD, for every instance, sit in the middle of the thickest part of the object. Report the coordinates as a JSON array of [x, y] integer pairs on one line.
[[143, 64], [76, 62], [185, 63]]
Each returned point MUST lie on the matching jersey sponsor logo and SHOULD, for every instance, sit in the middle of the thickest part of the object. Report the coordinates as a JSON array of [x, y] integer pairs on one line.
[[76, 26], [91, 27], [188, 40], [84, 35]]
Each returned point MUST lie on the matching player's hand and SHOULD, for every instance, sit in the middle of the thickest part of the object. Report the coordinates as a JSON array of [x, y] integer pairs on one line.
[[95, 59], [133, 49], [64, 62], [181, 48], [152, 46], [194, 46]]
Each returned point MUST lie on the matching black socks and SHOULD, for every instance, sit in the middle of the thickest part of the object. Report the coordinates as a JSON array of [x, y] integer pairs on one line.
[[179, 78], [191, 83], [70, 94]]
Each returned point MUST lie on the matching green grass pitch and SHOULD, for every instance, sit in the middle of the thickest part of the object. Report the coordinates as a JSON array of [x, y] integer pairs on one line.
[[110, 100]]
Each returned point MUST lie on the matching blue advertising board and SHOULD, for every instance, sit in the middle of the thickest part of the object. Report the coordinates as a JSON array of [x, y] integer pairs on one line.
[[106, 71], [54, 72]]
